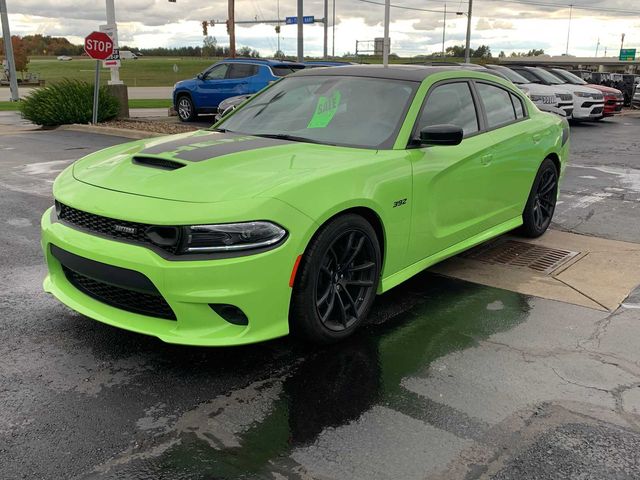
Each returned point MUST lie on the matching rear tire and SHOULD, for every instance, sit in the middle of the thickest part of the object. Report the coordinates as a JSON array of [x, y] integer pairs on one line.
[[186, 109], [541, 203], [337, 281]]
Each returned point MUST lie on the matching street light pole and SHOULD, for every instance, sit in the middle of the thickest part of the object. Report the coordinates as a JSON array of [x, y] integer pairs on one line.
[[333, 31], [326, 27], [444, 28], [385, 43], [467, 49], [8, 49], [300, 32], [569, 28], [111, 22]]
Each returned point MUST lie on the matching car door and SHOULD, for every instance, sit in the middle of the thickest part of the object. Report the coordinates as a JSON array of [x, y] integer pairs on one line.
[[450, 202], [515, 155], [211, 87], [242, 79]]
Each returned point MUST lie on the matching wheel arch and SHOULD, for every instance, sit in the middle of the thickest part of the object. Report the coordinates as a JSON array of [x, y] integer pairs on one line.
[[553, 156], [183, 93]]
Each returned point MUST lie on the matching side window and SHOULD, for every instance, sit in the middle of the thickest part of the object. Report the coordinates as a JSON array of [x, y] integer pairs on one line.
[[242, 70], [517, 106], [497, 104], [217, 73], [451, 103]]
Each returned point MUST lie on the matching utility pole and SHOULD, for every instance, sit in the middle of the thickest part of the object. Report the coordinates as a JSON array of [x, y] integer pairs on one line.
[[385, 42], [300, 32], [333, 31], [444, 28], [231, 25], [326, 27], [8, 50], [111, 22], [622, 42], [597, 47], [467, 50], [569, 28]]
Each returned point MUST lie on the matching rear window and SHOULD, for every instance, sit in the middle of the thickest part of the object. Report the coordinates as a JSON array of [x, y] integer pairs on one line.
[[284, 70]]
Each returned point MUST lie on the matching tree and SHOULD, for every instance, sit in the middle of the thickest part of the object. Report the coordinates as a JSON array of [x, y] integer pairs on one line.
[[455, 51], [209, 45], [483, 51], [534, 53], [279, 54], [20, 55], [502, 54]]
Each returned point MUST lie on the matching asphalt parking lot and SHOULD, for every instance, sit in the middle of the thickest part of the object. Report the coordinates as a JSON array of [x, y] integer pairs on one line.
[[450, 379]]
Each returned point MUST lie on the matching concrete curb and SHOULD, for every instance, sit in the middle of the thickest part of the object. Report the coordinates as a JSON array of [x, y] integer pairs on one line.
[[116, 132]]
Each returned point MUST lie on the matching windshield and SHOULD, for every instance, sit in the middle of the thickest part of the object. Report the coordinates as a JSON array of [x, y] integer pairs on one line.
[[569, 77], [284, 70], [549, 77], [511, 75], [334, 110]]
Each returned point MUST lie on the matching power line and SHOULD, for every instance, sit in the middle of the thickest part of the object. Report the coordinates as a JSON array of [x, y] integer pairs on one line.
[[403, 7], [569, 5]]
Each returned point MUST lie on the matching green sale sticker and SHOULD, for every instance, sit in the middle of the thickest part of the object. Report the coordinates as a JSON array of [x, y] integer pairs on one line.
[[325, 111]]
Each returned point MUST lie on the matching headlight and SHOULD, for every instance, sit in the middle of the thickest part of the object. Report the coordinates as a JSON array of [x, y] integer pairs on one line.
[[587, 95], [230, 237]]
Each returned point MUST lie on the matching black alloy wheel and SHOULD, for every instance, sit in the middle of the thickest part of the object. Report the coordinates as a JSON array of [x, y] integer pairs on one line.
[[542, 200], [337, 281]]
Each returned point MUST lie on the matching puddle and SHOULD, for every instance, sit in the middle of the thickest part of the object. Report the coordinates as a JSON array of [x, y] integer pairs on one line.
[[252, 432]]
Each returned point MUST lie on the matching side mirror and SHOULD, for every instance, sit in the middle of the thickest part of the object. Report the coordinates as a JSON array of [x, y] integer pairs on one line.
[[441, 135], [200, 76]]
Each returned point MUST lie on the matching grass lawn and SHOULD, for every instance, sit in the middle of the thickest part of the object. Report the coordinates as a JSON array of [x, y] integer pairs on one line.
[[136, 103], [143, 72]]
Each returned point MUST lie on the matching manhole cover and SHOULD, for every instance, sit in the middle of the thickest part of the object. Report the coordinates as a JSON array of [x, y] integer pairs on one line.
[[521, 254]]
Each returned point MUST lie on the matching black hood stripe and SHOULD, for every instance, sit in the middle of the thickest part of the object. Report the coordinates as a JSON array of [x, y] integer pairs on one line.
[[210, 145]]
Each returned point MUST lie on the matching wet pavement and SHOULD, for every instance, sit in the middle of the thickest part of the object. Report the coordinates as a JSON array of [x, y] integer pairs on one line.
[[449, 380]]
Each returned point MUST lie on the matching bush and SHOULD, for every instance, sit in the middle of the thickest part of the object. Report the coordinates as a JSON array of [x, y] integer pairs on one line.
[[70, 101]]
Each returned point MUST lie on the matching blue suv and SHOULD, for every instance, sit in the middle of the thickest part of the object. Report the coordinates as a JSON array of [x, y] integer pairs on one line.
[[227, 78]]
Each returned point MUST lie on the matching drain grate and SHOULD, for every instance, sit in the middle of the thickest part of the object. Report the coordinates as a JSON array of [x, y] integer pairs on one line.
[[521, 254]]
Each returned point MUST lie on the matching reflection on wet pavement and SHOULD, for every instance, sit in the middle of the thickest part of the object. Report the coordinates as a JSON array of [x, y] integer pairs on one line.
[[266, 426]]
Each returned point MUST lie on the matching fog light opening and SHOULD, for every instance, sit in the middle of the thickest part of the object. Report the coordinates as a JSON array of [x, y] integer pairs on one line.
[[230, 313]]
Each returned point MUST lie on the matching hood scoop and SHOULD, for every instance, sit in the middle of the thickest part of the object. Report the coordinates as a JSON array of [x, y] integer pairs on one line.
[[156, 162]]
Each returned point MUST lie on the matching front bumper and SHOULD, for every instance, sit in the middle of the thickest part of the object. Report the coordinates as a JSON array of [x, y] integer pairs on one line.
[[585, 109], [257, 284]]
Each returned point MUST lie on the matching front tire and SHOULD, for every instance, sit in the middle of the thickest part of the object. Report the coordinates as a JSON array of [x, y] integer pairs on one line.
[[337, 281], [186, 109], [541, 204]]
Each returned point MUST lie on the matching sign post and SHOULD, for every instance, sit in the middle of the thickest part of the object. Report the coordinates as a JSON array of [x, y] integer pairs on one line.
[[98, 46]]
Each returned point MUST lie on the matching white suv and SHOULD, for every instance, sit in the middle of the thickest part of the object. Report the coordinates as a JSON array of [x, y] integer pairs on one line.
[[588, 103]]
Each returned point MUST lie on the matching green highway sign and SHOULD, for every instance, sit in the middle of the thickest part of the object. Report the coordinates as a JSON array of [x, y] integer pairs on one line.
[[627, 54]]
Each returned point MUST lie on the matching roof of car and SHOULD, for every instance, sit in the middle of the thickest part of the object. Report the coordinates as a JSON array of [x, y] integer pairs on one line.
[[264, 61], [415, 73]]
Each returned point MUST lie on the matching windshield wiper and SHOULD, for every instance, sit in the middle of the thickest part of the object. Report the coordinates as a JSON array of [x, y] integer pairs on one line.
[[293, 138]]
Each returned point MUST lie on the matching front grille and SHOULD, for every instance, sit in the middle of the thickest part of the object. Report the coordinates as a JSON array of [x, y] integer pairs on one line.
[[565, 96], [109, 227], [597, 110], [123, 298]]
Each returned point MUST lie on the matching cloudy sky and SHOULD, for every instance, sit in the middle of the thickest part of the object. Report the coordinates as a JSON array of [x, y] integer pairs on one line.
[[500, 24]]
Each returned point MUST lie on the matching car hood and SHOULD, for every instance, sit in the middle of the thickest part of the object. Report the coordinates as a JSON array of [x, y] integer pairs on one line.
[[539, 89], [208, 166], [567, 87], [604, 89]]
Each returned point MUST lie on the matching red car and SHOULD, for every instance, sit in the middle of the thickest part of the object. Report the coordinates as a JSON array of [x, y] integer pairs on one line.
[[613, 98]]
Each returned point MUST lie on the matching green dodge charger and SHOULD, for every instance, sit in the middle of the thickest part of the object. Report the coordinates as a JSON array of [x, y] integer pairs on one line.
[[292, 213]]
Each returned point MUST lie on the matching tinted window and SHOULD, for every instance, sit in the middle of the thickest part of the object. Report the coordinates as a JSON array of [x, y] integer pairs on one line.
[[451, 103], [242, 70], [528, 75], [284, 70], [218, 72], [517, 106], [353, 111], [497, 104]]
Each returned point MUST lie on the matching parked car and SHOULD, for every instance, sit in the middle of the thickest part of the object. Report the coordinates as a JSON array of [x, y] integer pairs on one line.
[[329, 187], [636, 97], [545, 97], [588, 104], [227, 78], [613, 98], [64, 58], [230, 104]]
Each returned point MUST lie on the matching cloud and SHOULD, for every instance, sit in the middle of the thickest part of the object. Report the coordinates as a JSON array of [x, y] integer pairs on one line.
[[490, 24]]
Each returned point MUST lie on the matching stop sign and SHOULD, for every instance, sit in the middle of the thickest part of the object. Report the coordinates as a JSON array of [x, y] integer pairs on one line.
[[98, 45]]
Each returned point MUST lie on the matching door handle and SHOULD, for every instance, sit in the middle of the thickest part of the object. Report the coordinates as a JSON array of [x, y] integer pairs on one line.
[[486, 159], [537, 137]]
